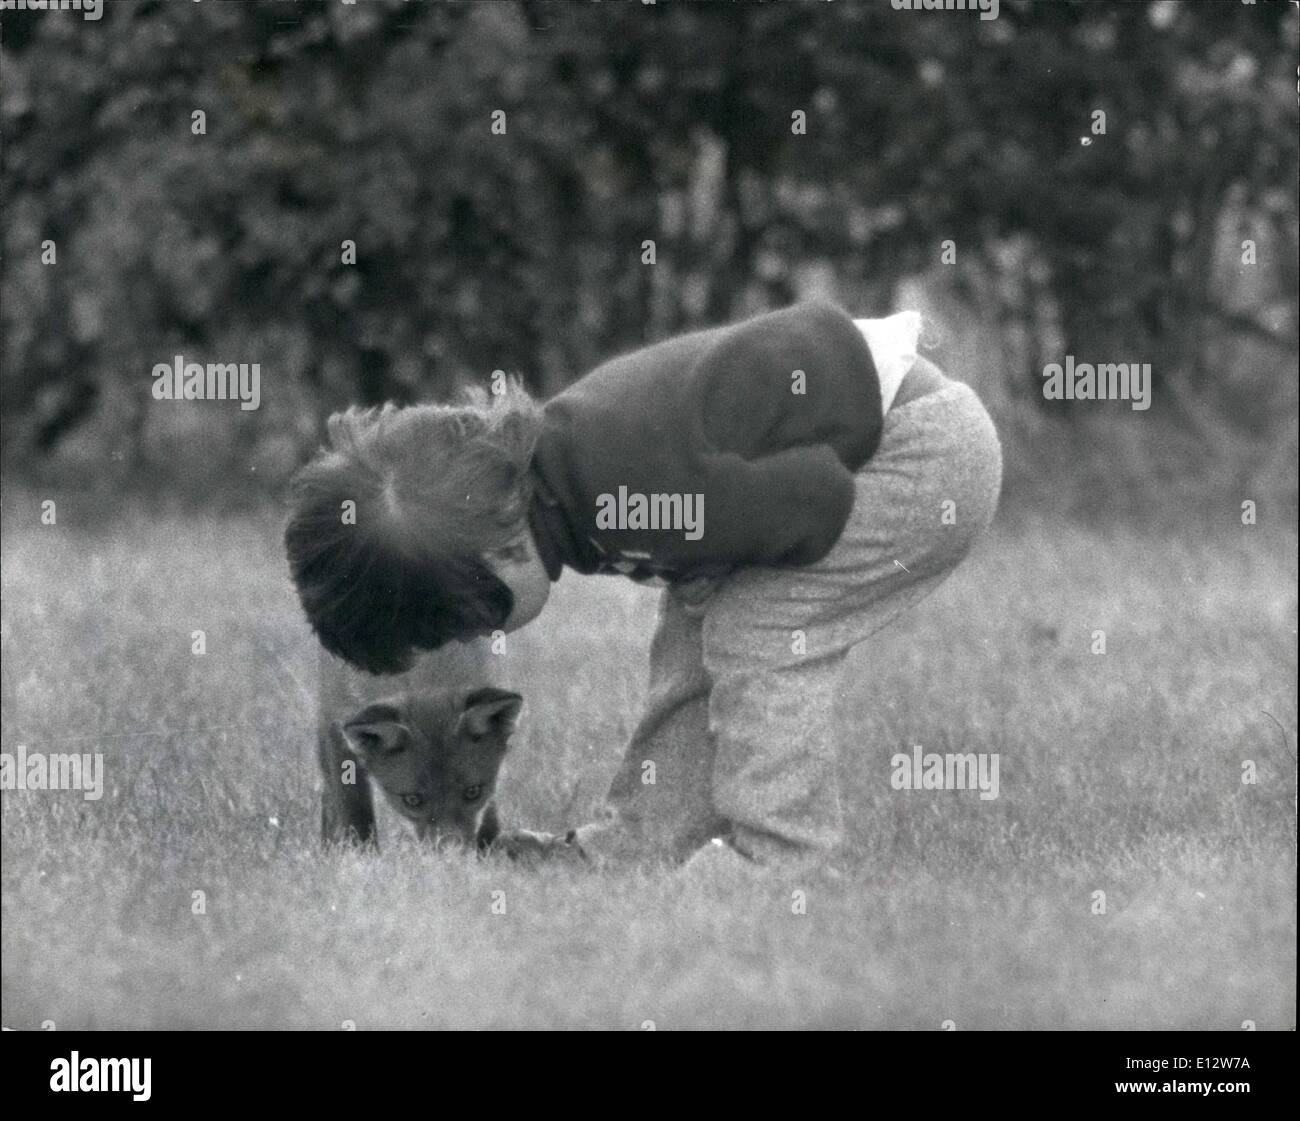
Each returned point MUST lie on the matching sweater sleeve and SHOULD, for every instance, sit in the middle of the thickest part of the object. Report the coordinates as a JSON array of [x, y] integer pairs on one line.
[[765, 421], [816, 497], [801, 376]]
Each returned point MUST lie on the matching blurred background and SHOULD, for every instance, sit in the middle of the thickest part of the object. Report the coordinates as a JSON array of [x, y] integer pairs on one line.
[[626, 123]]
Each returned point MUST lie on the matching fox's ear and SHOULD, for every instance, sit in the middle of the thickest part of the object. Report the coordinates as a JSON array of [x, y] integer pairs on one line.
[[490, 712], [376, 728]]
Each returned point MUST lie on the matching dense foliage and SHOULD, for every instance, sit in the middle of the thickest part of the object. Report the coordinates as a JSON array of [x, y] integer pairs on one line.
[[671, 122]]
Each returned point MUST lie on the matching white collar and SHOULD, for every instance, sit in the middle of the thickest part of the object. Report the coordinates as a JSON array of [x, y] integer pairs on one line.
[[893, 348]]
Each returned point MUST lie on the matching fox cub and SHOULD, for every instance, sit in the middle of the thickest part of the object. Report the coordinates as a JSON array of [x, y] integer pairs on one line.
[[434, 751], [436, 756]]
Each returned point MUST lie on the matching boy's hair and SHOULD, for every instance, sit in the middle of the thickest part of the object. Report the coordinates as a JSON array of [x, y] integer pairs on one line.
[[434, 488]]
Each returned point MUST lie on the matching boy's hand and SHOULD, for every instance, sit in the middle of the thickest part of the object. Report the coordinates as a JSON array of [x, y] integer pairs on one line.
[[525, 844], [693, 594]]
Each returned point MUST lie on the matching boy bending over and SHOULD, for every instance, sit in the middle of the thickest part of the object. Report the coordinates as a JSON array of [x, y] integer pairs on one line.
[[787, 479]]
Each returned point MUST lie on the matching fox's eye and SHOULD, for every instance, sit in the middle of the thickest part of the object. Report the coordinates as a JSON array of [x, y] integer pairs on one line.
[[472, 793], [414, 801]]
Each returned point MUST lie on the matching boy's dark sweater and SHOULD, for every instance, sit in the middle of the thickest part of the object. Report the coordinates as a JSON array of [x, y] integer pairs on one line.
[[712, 413]]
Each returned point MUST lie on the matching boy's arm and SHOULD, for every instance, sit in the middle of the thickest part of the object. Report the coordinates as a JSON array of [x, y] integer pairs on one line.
[[788, 508], [792, 379], [525, 844]]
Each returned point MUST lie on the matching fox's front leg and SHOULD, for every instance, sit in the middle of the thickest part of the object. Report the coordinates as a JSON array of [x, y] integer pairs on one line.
[[489, 829], [347, 808]]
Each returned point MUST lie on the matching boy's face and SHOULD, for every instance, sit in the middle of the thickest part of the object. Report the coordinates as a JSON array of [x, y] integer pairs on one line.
[[521, 570]]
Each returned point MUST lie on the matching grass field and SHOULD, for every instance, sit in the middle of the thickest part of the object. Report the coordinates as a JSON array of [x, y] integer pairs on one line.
[[1120, 773]]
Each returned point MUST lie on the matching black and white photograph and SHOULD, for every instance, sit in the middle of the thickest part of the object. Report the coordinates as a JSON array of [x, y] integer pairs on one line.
[[653, 515]]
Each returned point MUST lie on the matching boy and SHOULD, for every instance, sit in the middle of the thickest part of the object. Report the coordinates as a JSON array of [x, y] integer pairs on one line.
[[797, 480]]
